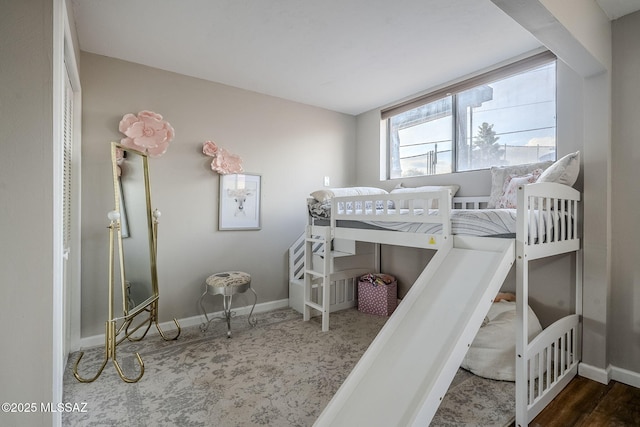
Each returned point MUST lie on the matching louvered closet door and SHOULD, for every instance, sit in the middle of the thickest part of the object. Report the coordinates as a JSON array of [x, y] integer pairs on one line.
[[66, 208]]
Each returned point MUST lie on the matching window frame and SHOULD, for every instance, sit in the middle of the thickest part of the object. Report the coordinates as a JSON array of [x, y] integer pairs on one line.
[[509, 70]]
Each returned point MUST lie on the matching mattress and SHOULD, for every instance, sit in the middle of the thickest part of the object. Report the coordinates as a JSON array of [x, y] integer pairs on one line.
[[484, 223]]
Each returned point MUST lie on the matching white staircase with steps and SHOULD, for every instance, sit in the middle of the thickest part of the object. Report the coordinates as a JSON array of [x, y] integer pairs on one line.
[[316, 286]]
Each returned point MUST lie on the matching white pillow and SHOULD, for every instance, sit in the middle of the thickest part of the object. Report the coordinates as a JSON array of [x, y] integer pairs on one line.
[[564, 171], [493, 351], [434, 204], [509, 198], [329, 193]]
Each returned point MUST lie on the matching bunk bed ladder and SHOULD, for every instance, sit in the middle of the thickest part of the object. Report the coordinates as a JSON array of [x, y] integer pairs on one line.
[[312, 275]]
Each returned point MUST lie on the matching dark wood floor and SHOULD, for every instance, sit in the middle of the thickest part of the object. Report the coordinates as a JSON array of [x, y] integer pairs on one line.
[[587, 403]]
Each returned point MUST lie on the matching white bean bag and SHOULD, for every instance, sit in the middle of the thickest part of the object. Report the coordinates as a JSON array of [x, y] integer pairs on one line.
[[493, 351]]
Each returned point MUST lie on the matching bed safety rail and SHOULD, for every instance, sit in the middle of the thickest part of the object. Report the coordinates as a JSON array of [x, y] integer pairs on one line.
[[470, 202], [550, 362], [547, 224], [547, 220], [424, 207]]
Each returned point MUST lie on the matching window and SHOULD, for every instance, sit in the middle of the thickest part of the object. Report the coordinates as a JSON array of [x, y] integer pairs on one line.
[[505, 117]]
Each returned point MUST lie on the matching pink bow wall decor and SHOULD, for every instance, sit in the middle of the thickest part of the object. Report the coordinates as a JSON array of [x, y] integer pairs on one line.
[[223, 161], [147, 132]]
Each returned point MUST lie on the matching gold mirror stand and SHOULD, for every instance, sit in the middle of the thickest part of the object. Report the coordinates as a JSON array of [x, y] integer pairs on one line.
[[111, 332], [118, 219], [111, 329]]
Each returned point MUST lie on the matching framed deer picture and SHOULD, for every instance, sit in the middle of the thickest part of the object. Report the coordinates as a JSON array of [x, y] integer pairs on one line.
[[239, 202]]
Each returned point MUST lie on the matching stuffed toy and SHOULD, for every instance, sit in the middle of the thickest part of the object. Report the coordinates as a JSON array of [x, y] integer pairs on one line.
[[505, 296]]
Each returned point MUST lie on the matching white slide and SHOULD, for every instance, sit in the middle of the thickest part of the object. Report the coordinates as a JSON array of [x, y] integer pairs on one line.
[[406, 371]]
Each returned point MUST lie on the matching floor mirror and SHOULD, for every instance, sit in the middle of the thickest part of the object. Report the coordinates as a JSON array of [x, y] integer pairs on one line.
[[133, 234]]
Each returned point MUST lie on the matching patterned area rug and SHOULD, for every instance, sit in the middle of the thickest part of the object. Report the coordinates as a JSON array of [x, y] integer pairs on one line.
[[283, 372]]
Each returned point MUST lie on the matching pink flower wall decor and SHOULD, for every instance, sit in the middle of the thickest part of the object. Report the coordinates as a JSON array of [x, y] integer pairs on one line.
[[210, 148], [147, 132], [223, 161], [119, 159]]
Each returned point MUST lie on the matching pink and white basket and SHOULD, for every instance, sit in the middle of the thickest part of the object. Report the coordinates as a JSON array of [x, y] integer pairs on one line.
[[377, 294]]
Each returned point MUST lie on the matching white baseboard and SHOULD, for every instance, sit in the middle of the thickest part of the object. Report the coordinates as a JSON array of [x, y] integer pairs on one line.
[[625, 376], [610, 373], [600, 375], [98, 340]]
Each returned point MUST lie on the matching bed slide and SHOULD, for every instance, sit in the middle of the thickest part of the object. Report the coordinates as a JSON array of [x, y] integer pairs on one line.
[[404, 374]]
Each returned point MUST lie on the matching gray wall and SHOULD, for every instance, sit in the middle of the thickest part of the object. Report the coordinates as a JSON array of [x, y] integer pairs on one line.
[[551, 295], [26, 207], [624, 326], [293, 146]]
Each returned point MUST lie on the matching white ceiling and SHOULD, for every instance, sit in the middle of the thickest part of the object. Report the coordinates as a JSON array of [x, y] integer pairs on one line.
[[618, 8], [344, 55]]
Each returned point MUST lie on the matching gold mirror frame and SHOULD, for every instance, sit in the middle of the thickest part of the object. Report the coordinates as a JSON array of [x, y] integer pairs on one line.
[[137, 249], [121, 218]]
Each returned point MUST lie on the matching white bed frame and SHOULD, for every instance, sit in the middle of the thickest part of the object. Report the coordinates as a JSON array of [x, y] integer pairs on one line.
[[543, 366]]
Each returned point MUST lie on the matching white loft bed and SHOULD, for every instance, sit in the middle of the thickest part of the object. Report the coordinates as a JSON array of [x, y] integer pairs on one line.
[[546, 225], [343, 282], [341, 291]]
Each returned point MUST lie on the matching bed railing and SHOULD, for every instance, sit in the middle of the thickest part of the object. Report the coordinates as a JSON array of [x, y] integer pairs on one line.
[[549, 363], [470, 202], [547, 220], [424, 207], [417, 208], [550, 356], [547, 224]]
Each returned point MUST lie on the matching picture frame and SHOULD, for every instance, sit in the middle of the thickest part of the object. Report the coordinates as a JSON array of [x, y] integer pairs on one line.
[[240, 202]]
